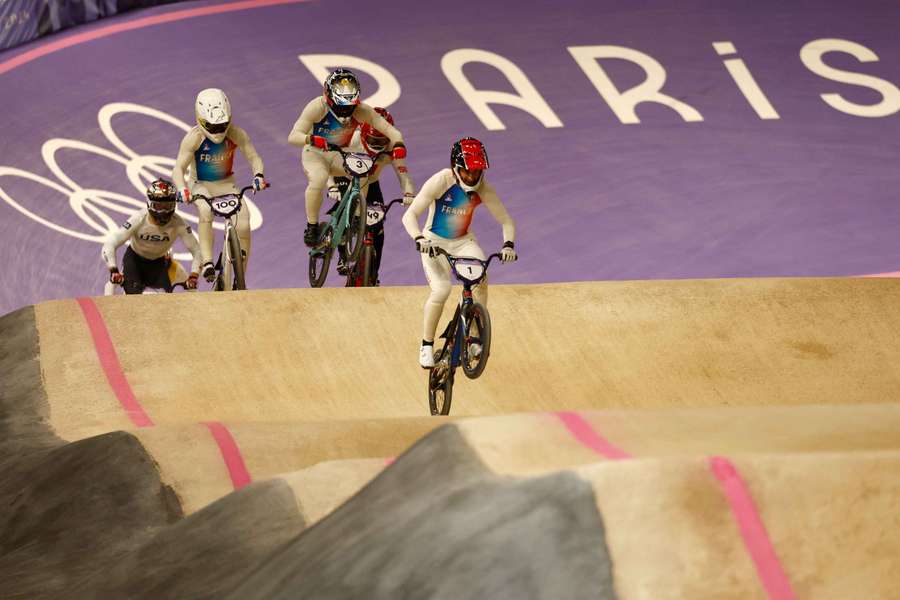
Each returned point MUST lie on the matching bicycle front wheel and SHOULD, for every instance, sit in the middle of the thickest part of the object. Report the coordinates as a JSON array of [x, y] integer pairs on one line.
[[356, 233], [320, 260], [366, 263], [477, 341], [237, 261]]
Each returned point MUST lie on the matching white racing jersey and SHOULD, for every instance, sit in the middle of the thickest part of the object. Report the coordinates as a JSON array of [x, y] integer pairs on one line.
[[150, 241], [450, 208], [316, 119]]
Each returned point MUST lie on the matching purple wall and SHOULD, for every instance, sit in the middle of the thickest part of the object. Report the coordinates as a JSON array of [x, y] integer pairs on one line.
[[812, 192]]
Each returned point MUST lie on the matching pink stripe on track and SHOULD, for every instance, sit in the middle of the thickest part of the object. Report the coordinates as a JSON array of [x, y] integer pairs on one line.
[[102, 32], [756, 538], [231, 454], [109, 360], [753, 531], [587, 435]]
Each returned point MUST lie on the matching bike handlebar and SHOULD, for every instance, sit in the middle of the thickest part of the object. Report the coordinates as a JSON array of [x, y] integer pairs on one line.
[[388, 206], [440, 251], [243, 191]]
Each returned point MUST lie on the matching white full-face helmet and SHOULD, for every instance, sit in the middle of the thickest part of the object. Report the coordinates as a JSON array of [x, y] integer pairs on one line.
[[213, 112]]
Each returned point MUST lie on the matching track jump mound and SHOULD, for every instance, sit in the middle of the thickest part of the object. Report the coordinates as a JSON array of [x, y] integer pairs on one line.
[[439, 524]]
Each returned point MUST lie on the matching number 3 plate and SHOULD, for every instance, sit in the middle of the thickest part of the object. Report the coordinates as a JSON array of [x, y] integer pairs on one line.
[[358, 164]]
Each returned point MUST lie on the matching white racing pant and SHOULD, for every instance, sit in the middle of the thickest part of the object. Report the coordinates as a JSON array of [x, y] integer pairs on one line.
[[437, 272], [318, 165], [205, 229]]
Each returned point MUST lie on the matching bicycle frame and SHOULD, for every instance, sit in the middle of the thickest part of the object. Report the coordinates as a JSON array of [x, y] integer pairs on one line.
[[226, 271], [340, 217], [457, 325]]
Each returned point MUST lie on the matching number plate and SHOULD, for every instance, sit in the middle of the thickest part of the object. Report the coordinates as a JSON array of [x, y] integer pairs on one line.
[[469, 271], [225, 206], [358, 164], [374, 215]]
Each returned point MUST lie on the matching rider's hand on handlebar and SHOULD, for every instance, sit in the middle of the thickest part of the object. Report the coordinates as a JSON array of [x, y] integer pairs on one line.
[[408, 197], [191, 283], [318, 141], [184, 195], [259, 182], [115, 277], [334, 193], [424, 245], [508, 252]]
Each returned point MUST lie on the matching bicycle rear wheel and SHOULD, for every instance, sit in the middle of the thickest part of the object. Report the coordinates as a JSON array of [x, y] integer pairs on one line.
[[440, 382], [356, 233], [320, 259], [237, 261], [477, 341]]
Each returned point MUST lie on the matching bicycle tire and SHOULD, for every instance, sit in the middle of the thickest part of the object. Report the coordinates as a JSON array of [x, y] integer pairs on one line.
[[366, 261], [478, 318], [356, 232], [237, 262], [440, 383], [320, 260]]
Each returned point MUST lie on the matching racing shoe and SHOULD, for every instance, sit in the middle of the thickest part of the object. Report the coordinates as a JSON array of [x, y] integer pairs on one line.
[[342, 268], [208, 272], [311, 234], [426, 356]]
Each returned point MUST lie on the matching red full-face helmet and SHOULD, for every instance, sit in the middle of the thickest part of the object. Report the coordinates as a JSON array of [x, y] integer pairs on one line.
[[469, 160]]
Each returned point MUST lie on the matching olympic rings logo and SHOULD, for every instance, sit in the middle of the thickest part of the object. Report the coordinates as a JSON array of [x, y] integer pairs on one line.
[[91, 205]]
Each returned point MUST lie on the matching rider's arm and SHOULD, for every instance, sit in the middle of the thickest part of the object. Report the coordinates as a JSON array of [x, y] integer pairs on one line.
[[312, 114], [366, 114], [190, 242], [432, 190], [498, 210], [189, 145], [406, 182], [118, 237], [240, 137]]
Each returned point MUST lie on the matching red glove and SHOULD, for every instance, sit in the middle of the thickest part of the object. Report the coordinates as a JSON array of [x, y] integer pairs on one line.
[[318, 141], [115, 277], [185, 195], [399, 151], [191, 282]]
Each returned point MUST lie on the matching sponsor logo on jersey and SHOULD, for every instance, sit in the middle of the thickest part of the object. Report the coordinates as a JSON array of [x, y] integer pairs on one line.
[[155, 237]]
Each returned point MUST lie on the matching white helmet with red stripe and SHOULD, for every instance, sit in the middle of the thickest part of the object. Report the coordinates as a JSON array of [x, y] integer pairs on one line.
[[469, 160]]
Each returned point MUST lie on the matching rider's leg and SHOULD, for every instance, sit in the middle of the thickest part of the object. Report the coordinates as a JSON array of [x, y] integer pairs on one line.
[[468, 246], [317, 166], [437, 272], [131, 270], [156, 273], [204, 226], [374, 196]]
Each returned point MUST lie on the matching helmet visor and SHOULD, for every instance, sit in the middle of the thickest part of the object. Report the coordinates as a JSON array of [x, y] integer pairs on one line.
[[214, 128], [161, 206]]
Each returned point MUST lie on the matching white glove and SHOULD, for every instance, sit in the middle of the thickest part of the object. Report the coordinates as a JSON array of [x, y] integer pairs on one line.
[[408, 197], [424, 245], [508, 253], [334, 193]]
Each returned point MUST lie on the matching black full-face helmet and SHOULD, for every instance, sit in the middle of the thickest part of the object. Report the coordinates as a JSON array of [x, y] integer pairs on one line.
[[161, 198]]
